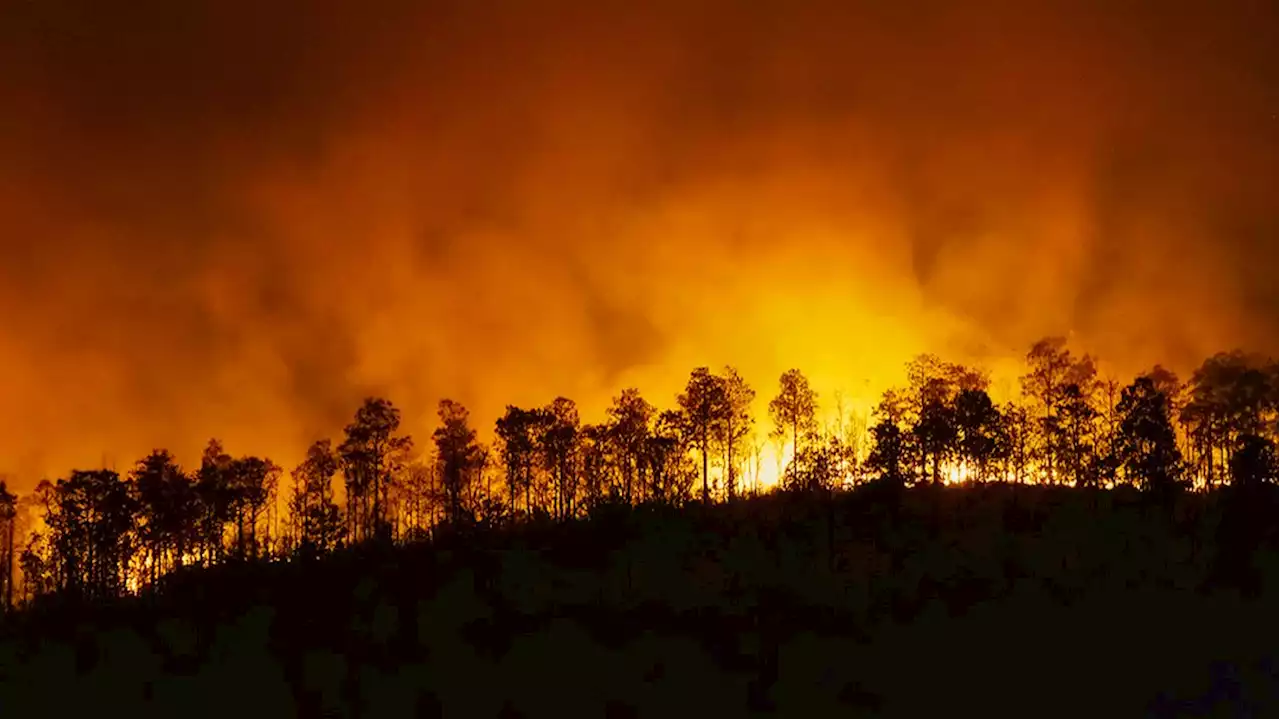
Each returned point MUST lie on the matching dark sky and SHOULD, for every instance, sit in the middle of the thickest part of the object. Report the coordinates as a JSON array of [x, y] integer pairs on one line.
[[237, 218]]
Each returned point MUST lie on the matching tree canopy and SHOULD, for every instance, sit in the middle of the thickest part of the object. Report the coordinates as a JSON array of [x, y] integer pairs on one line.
[[103, 534]]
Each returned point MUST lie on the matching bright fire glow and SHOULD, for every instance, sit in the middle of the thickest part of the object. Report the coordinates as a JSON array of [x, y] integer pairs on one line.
[[512, 231], [956, 474], [768, 473]]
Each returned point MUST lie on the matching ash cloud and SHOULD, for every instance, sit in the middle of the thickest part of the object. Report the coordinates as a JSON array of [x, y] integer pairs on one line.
[[238, 218]]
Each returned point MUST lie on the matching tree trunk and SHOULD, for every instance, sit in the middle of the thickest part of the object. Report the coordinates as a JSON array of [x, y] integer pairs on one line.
[[8, 565], [795, 445], [706, 490]]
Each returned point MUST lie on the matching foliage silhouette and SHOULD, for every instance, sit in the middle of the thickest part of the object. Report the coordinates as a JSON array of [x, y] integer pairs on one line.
[[703, 403], [794, 410], [1148, 449], [371, 456], [317, 523], [734, 427], [578, 530]]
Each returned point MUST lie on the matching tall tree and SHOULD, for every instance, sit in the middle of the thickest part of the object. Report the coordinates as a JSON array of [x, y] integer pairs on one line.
[[794, 411], [981, 431], [1231, 395], [559, 443], [517, 431], [667, 454], [1052, 370], [1017, 434], [419, 498], [602, 463], [8, 533], [888, 456], [37, 571], [1077, 437], [928, 408], [315, 515], [372, 456], [935, 434], [1049, 364], [703, 402], [167, 510], [1148, 448], [629, 419], [213, 500], [1106, 447], [458, 455], [91, 519], [734, 426], [251, 481]]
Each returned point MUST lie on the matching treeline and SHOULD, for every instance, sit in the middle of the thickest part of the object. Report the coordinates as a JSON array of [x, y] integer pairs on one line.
[[101, 535]]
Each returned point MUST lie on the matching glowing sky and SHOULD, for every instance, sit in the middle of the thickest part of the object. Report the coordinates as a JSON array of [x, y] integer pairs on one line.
[[238, 218]]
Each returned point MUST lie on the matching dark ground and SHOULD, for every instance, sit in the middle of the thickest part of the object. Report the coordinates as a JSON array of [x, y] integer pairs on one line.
[[982, 601]]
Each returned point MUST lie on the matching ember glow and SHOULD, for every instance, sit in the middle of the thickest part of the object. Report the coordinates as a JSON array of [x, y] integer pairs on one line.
[[237, 219]]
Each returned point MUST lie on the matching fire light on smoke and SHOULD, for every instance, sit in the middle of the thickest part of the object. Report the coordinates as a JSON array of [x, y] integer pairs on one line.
[[222, 221]]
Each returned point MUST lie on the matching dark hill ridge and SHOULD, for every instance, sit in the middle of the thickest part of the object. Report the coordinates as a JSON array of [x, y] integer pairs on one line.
[[986, 600]]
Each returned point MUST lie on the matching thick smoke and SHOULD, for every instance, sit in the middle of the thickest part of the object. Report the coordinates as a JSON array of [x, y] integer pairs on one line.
[[238, 218]]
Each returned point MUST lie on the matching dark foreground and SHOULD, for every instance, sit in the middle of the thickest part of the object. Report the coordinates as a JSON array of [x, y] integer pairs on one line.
[[985, 601]]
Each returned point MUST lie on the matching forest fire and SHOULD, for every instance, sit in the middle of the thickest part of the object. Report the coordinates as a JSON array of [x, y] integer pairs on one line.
[[685, 357], [811, 193]]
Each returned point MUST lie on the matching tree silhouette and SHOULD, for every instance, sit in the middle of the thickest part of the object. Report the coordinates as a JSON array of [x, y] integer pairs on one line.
[[458, 456], [888, 455], [1106, 459], [167, 511], [1077, 434], [931, 404], [372, 455], [848, 435], [37, 573], [629, 419], [1148, 448], [517, 431], [981, 429], [735, 425], [419, 500], [1049, 363], [91, 520], [935, 435], [214, 496], [667, 455], [558, 442], [794, 411], [601, 465], [1231, 395], [8, 534], [315, 515], [1017, 435], [103, 536], [252, 482], [817, 469], [703, 402], [1254, 462], [1052, 370]]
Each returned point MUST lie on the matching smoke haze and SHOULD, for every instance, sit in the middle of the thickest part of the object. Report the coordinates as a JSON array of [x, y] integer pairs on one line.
[[239, 218]]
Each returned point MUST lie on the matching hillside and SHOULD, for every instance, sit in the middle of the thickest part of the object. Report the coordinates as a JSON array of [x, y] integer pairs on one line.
[[983, 600]]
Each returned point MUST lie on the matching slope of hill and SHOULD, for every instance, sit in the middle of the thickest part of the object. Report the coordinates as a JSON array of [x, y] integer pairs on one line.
[[985, 600]]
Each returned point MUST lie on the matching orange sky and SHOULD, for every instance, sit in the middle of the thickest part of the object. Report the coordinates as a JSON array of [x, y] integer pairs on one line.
[[220, 218]]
